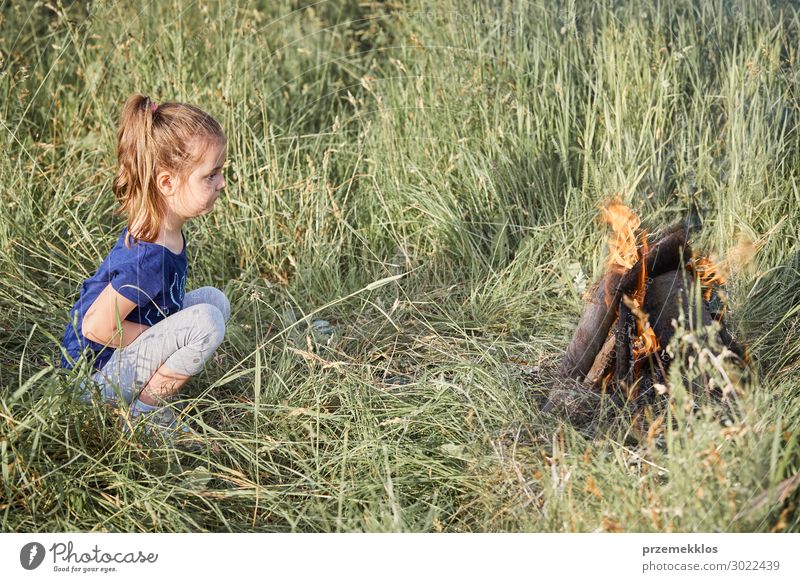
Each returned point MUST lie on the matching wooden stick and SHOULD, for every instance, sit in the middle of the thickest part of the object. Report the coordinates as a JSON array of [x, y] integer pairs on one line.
[[592, 330], [602, 362]]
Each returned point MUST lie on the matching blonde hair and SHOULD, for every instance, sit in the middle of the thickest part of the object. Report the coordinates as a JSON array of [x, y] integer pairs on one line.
[[151, 138]]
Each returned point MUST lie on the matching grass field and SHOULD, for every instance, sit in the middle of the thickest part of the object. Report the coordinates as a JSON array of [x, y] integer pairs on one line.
[[427, 178]]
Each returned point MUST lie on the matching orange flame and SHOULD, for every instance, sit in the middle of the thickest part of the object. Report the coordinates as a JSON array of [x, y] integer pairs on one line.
[[646, 341], [624, 253], [622, 248], [709, 274]]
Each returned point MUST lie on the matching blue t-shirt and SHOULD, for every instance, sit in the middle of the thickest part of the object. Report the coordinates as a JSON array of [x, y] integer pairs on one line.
[[149, 274]]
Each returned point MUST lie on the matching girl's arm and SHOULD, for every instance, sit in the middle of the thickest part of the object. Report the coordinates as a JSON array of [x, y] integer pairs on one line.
[[100, 322]]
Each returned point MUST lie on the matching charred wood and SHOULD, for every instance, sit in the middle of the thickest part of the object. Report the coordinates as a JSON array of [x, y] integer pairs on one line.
[[669, 295], [626, 329]]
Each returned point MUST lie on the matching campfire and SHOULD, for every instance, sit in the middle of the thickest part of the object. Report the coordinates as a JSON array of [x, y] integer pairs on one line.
[[621, 339]]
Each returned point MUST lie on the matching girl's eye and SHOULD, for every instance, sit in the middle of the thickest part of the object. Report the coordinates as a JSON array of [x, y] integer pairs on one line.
[[211, 177]]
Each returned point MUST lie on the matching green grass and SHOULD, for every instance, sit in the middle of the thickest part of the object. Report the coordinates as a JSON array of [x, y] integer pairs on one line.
[[457, 155]]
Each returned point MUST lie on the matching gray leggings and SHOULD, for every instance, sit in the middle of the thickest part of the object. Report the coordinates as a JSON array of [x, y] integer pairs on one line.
[[184, 341]]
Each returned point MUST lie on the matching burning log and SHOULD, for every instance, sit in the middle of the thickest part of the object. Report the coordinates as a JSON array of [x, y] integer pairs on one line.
[[664, 256], [625, 327], [600, 311]]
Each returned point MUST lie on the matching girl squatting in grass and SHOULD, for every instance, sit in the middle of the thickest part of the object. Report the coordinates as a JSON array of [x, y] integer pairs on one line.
[[132, 321]]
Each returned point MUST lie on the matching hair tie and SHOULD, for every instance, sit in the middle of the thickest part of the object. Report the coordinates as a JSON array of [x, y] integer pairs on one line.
[[153, 106]]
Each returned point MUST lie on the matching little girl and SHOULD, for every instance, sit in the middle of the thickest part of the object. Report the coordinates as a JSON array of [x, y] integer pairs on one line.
[[132, 323]]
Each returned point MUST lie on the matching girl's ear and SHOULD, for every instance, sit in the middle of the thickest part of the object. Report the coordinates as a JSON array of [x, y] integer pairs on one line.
[[166, 183]]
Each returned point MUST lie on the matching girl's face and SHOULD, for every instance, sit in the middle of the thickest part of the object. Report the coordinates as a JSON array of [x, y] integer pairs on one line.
[[196, 194]]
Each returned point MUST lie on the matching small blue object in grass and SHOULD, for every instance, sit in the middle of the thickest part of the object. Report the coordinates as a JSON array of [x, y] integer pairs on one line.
[[322, 326]]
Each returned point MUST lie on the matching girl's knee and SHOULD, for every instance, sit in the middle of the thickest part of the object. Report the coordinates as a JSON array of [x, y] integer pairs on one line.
[[215, 297], [210, 325], [223, 304], [206, 334]]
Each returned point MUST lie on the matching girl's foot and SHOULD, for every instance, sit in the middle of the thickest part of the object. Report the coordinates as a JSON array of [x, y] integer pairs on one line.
[[158, 420]]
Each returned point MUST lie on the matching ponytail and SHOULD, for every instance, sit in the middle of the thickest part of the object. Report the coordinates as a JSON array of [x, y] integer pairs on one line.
[[152, 138], [134, 187]]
